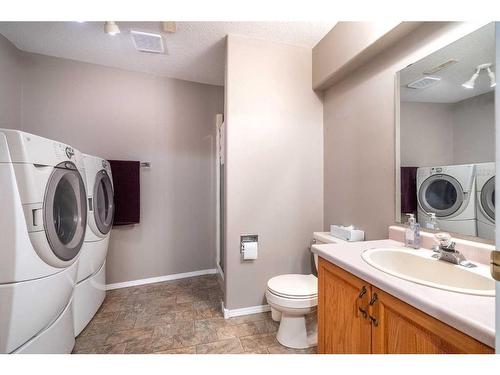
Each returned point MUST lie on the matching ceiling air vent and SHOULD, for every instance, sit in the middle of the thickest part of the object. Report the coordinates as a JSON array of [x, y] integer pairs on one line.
[[424, 82], [441, 66], [147, 42]]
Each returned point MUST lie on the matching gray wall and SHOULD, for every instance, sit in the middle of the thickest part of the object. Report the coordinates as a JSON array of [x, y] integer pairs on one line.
[[359, 135], [274, 164], [426, 134], [10, 85], [474, 129], [448, 133], [118, 114]]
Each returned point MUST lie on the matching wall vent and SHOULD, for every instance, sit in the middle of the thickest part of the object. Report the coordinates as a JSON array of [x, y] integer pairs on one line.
[[147, 42], [424, 82]]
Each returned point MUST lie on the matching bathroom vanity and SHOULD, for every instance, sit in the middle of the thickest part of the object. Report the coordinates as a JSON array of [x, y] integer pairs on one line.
[[362, 309]]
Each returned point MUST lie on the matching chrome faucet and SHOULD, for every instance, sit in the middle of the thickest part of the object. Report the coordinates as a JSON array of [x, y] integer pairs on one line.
[[446, 251]]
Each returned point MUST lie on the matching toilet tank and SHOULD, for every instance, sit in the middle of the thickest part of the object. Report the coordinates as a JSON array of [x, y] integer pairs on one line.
[[318, 239]]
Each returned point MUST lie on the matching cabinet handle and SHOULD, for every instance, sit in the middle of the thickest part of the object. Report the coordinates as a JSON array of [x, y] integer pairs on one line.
[[374, 321], [363, 312], [362, 292], [374, 299]]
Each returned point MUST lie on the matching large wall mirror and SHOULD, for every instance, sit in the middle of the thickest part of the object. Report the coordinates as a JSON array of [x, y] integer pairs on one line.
[[445, 129]]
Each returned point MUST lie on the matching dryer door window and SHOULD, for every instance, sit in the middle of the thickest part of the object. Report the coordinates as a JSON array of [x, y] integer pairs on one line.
[[441, 194], [103, 205], [65, 211], [488, 198]]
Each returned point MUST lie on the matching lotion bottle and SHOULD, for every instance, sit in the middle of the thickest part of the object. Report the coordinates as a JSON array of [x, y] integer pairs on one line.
[[412, 233], [432, 222]]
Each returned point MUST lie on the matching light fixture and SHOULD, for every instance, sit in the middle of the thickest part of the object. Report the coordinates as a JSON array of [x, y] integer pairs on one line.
[[111, 28], [493, 81], [471, 82]]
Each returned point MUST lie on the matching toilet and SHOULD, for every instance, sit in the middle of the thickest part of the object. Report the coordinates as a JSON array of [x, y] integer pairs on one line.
[[292, 297]]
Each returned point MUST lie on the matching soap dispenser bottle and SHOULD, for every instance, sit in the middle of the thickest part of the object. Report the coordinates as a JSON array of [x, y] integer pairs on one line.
[[412, 233], [432, 222]]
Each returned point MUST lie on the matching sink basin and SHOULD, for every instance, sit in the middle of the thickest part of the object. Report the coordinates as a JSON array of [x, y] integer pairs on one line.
[[420, 267]]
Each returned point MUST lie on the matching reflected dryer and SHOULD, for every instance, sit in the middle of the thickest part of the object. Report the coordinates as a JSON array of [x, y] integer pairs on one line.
[[485, 200], [448, 192]]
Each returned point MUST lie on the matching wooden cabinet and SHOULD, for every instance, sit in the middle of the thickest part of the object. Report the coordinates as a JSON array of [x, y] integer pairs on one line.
[[342, 301], [356, 317]]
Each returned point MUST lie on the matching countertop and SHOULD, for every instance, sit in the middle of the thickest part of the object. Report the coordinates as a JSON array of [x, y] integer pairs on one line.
[[473, 315]]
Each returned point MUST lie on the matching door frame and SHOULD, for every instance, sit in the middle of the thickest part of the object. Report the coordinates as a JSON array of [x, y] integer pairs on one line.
[[497, 195], [219, 144]]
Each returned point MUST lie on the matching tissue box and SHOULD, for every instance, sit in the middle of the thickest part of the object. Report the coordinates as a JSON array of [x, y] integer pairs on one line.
[[347, 233]]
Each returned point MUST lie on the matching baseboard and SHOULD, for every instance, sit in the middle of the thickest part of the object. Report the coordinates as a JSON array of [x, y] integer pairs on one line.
[[220, 272], [245, 311], [160, 279]]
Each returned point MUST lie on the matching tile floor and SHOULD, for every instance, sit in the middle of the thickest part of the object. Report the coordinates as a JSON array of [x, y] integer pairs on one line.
[[180, 316]]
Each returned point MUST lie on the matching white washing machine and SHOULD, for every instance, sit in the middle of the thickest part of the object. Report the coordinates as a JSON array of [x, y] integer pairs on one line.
[[90, 288], [43, 218], [449, 192], [485, 200]]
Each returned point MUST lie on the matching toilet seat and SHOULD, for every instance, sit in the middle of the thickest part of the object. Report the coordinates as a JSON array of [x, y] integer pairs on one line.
[[294, 286]]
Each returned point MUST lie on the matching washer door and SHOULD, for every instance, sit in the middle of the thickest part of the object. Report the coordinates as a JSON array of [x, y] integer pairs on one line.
[[488, 198], [103, 205], [65, 211], [441, 194]]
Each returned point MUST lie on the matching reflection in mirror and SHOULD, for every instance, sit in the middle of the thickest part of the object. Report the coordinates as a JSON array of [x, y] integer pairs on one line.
[[447, 138]]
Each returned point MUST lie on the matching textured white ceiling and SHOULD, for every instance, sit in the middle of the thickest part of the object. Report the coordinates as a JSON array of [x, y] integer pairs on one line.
[[195, 52], [470, 51]]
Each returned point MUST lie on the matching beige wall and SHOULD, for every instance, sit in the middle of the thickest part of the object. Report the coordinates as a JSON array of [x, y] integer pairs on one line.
[[10, 85], [274, 164], [359, 136], [118, 114], [351, 44]]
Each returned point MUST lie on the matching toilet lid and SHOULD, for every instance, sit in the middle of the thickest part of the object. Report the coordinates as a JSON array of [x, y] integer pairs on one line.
[[294, 285]]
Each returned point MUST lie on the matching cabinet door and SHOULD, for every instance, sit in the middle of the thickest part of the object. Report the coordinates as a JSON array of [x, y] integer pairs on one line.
[[342, 298], [400, 328]]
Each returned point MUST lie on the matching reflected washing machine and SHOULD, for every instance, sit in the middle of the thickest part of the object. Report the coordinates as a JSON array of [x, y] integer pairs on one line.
[[485, 200], [43, 218], [91, 278], [449, 192]]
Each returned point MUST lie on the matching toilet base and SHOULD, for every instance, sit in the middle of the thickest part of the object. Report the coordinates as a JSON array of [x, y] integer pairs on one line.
[[275, 315], [297, 317], [293, 332]]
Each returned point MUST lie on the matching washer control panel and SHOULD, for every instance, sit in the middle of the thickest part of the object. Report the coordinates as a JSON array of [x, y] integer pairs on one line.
[[436, 170]]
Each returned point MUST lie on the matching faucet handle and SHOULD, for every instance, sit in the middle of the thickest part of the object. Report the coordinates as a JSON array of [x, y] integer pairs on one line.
[[450, 248], [444, 240], [443, 237]]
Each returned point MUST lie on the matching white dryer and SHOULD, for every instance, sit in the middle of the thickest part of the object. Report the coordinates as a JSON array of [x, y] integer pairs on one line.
[[43, 216], [90, 288], [448, 191], [485, 200]]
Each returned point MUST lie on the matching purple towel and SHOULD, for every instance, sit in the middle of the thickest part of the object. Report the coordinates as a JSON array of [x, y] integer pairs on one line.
[[408, 189], [126, 186]]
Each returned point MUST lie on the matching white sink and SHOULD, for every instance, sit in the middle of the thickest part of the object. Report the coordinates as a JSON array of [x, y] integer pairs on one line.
[[420, 267]]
